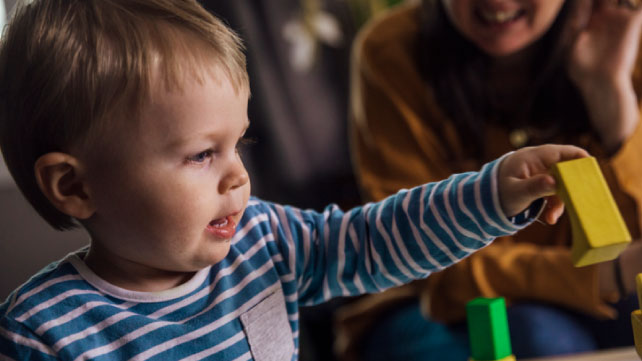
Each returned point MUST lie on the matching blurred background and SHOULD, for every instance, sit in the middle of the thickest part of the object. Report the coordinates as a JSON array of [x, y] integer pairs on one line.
[[298, 55]]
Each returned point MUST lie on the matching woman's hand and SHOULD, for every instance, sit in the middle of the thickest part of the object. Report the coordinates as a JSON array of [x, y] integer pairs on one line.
[[606, 48], [601, 63]]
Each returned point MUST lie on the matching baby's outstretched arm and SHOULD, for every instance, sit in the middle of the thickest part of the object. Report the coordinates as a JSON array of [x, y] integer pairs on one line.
[[524, 177], [410, 234]]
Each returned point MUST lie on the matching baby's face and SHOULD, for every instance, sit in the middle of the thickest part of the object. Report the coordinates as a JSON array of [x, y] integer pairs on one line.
[[171, 188]]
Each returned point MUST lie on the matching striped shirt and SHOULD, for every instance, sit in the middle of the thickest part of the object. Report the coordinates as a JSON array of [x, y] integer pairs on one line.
[[246, 306]]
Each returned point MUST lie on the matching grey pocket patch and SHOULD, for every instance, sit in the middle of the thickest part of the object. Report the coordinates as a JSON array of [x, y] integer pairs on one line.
[[268, 330]]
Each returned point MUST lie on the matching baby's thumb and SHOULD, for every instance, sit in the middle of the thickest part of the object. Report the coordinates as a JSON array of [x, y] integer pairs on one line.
[[538, 186], [526, 191]]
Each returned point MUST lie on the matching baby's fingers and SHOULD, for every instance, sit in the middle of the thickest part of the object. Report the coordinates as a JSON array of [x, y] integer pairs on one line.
[[538, 186], [554, 153], [553, 210], [520, 193]]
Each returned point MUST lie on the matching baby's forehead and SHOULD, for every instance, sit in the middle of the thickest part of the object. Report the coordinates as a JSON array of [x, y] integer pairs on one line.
[[204, 93], [170, 64]]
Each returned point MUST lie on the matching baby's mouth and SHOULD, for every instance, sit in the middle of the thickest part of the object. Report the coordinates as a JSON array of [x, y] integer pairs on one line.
[[224, 227], [221, 222]]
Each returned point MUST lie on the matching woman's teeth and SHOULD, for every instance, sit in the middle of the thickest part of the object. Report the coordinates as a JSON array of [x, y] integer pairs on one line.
[[499, 16]]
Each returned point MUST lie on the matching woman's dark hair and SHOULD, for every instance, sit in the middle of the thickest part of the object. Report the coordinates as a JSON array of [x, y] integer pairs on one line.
[[458, 72]]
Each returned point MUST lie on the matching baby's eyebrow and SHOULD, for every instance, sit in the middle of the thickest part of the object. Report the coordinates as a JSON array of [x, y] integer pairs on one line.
[[180, 142]]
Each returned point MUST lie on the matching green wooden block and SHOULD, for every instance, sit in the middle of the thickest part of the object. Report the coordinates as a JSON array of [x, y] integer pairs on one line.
[[488, 329]]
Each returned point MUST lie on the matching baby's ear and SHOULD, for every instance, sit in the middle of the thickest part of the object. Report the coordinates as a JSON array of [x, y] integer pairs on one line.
[[60, 178]]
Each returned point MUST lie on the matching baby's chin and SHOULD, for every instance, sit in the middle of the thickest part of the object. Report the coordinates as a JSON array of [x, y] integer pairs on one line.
[[205, 260]]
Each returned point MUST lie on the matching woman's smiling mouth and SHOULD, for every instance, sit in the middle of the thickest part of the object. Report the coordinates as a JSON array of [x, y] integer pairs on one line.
[[499, 17]]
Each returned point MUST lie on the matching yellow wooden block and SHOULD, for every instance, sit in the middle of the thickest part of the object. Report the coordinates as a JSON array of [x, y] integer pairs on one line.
[[636, 321], [599, 232], [638, 286]]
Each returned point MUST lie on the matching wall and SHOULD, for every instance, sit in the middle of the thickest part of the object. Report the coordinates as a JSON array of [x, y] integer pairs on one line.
[[28, 243]]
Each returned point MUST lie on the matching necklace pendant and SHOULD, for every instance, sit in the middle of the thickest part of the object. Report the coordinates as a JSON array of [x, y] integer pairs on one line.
[[518, 138]]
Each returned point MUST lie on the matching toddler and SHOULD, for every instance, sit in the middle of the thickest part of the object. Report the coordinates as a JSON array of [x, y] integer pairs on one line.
[[125, 118]]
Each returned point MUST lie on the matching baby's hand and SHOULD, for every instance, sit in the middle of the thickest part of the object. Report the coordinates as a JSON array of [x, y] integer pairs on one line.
[[524, 177]]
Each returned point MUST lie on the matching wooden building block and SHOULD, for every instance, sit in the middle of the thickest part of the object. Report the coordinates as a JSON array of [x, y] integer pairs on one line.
[[488, 330], [599, 232], [636, 322], [638, 287], [636, 317]]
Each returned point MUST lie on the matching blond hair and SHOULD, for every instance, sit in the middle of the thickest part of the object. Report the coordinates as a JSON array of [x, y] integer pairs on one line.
[[68, 66]]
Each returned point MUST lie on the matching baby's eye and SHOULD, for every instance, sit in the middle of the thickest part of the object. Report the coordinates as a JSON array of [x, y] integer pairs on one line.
[[200, 157]]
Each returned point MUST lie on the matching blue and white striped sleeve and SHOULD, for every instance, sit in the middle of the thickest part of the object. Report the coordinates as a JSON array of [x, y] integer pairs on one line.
[[19, 343], [404, 237]]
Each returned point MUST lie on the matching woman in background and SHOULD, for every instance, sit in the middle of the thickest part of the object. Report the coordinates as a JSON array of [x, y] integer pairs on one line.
[[447, 85]]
